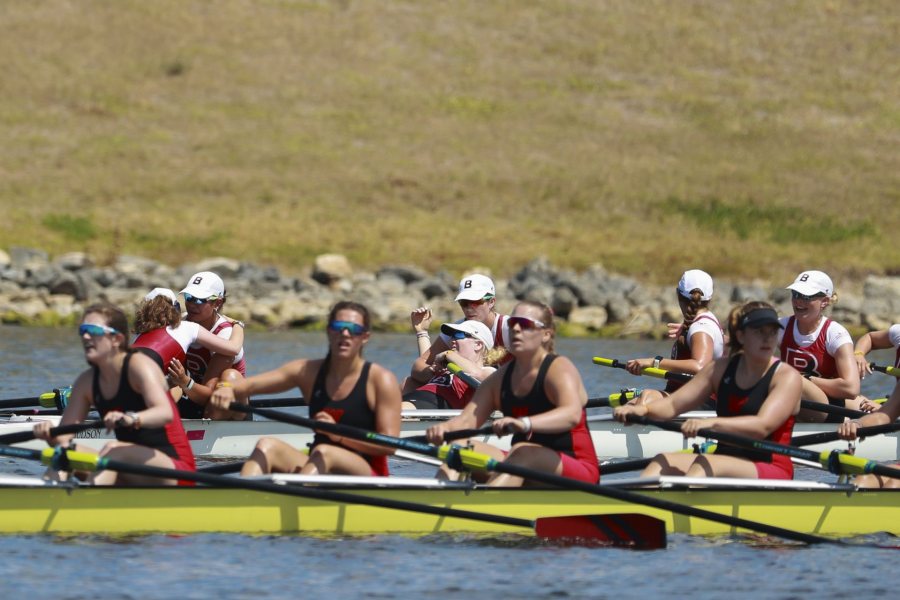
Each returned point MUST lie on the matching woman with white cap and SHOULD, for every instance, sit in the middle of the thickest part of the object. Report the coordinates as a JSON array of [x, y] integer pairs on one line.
[[698, 339], [204, 297], [471, 341], [164, 336], [757, 395], [819, 348], [476, 297]]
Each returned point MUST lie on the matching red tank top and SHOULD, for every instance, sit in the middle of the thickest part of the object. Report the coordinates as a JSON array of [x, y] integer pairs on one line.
[[453, 390], [812, 360], [159, 345], [197, 357]]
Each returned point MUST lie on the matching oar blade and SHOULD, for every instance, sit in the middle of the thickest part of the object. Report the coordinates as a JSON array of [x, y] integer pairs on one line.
[[629, 530]]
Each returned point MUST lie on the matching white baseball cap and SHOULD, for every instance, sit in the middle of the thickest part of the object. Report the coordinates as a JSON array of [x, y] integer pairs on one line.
[[475, 287], [476, 328], [162, 292], [695, 279], [205, 284], [810, 283]]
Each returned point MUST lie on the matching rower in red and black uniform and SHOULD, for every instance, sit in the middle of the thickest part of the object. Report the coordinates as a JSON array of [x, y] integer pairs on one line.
[[130, 392], [875, 340], [819, 348], [342, 388], [542, 398], [477, 300], [758, 397], [164, 336], [204, 297], [698, 339], [471, 345]]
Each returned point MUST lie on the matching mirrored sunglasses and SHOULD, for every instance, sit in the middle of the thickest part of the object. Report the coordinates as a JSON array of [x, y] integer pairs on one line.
[[95, 330], [195, 300], [350, 327], [461, 335], [798, 296], [525, 323]]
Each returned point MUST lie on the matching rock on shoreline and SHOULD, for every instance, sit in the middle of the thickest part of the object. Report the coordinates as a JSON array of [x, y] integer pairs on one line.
[[38, 290]]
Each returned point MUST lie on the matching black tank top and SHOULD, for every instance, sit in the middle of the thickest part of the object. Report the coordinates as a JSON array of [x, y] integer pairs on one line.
[[353, 410], [533, 403], [734, 401], [128, 400]]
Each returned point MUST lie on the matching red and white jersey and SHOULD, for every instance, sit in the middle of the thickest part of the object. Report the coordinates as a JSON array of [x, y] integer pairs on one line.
[[453, 390], [813, 353], [681, 350], [169, 342], [198, 357]]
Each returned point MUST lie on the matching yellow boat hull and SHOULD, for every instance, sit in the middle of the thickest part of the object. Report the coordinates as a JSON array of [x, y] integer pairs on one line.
[[97, 510]]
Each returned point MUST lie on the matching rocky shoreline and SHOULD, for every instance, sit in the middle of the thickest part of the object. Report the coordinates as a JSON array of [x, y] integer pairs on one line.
[[38, 290]]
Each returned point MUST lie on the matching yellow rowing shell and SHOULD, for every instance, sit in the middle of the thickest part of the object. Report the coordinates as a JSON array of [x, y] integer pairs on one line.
[[811, 507]]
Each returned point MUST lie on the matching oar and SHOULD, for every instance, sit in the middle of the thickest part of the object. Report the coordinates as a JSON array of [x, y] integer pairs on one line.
[[831, 436], [465, 458], [683, 377], [604, 529], [894, 371], [28, 401], [836, 462], [613, 400], [26, 436], [459, 434]]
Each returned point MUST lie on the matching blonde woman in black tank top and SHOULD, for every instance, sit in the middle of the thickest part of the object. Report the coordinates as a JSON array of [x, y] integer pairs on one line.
[[542, 397]]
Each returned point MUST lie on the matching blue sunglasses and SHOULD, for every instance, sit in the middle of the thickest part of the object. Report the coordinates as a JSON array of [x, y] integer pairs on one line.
[[350, 327], [461, 335], [188, 299], [95, 330]]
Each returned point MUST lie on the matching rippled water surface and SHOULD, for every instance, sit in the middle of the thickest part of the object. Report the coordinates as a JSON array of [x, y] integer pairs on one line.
[[235, 566]]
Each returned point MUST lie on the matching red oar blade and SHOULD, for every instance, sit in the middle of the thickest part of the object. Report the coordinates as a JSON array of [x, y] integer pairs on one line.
[[631, 530]]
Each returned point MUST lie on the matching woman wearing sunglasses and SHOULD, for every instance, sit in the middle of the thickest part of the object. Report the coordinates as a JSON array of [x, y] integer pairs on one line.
[[163, 335], [819, 348], [470, 345], [340, 388], [204, 297], [542, 398], [130, 393], [476, 297], [698, 339], [757, 396]]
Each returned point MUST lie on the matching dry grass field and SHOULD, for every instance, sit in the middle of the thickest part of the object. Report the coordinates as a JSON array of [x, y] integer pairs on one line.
[[752, 138]]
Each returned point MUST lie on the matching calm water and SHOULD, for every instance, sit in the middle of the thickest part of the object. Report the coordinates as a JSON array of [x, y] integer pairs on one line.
[[231, 566]]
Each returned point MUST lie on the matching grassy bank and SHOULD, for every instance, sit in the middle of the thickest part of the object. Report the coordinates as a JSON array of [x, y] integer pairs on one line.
[[751, 138]]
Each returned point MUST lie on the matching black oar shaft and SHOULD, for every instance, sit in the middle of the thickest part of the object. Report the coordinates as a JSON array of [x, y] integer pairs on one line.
[[26, 436], [832, 436]]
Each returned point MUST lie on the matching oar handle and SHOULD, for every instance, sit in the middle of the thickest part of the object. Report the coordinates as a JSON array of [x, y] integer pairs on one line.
[[459, 434], [277, 402], [893, 371], [27, 436], [613, 400], [650, 371], [457, 370], [832, 436]]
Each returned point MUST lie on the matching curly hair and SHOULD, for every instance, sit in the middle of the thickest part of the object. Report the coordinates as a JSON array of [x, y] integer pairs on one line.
[[156, 313]]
